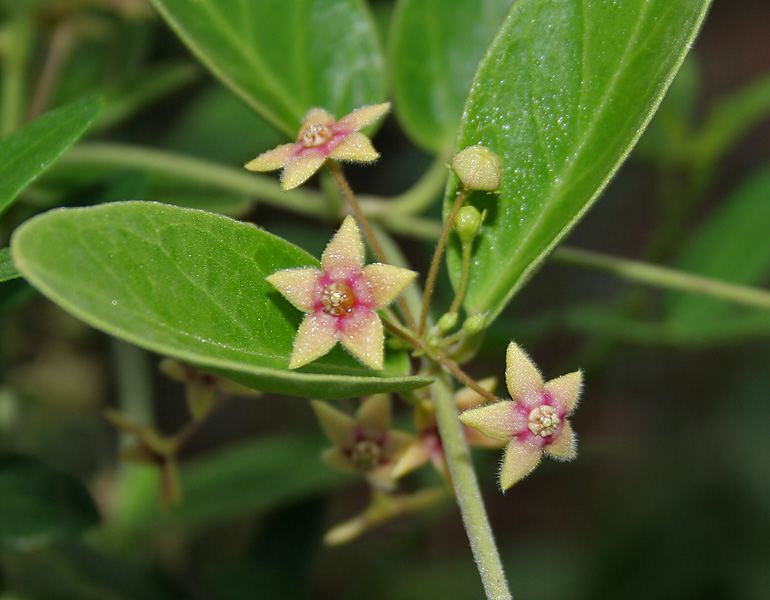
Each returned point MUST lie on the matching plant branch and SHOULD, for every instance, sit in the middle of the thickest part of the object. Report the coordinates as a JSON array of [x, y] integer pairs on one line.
[[665, 278], [430, 281], [468, 493]]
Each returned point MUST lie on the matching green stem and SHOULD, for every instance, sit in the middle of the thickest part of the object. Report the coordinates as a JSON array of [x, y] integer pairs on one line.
[[174, 166], [468, 493], [193, 170], [417, 198], [15, 40], [665, 278], [430, 281], [465, 273]]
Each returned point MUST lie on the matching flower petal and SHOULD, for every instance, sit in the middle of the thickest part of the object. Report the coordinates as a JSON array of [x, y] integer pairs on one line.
[[334, 457], [298, 286], [524, 381], [315, 116], [361, 117], [499, 420], [364, 338], [416, 455], [273, 159], [373, 416], [564, 446], [467, 398], [337, 425], [520, 460], [355, 147], [344, 255], [301, 168], [565, 390], [317, 335], [386, 282]]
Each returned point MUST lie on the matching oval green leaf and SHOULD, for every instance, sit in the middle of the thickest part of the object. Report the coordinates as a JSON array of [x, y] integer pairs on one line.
[[27, 152], [190, 285], [562, 95], [283, 57], [435, 47]]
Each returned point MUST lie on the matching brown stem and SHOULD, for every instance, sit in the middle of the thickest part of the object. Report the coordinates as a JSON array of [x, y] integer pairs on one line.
[[444, 361], [430, 282], [364, 222]]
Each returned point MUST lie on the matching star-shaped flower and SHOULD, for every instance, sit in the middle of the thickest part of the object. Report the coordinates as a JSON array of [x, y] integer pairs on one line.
[[341, 300], [320, 138], [427, 446], [364, 444], [534, 421]]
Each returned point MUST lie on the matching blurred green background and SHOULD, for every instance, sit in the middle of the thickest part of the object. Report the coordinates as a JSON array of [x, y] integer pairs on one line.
[[669, 498]]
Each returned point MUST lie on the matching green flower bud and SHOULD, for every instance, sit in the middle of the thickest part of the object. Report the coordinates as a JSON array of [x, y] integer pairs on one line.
[[478, 168], [447, 321], [474, 323], [467, 223]]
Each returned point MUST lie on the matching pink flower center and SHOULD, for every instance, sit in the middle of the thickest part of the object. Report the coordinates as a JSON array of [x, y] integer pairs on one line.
[[315, 135], [338, 299], [543, 420]]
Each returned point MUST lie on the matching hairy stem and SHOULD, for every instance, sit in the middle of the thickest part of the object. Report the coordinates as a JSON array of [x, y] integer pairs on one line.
[[430, 281], [468, 493]]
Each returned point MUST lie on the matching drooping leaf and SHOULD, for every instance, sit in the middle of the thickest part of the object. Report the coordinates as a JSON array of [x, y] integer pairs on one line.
[[561, 96], [732, 245], [283, 57], [435, 47], [190, 285], [40, 505], [7, 270], [27, 152]]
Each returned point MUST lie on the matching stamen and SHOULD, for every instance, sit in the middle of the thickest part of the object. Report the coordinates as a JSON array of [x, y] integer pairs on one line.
[[315, 135], [543, 421], [338, 299], [366, 455]]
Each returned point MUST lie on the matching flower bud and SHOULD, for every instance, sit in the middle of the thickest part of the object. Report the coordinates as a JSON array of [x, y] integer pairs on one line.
[[447, 321], [467, 223], [474, 323], [478, 168]]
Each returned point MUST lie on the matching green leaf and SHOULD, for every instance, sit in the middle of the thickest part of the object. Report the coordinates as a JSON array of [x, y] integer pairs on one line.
[[243, 480], [283, 57], [435, 47], [733, 245], [27, 152], [562, 95], [39, 505], [7, 270], [191, 285], [731, 118]]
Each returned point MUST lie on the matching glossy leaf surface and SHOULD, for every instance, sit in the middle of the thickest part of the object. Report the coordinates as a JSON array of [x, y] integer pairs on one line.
[[284, 57], [190, 285], [435, 47], [562, 95], [27, 152]]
